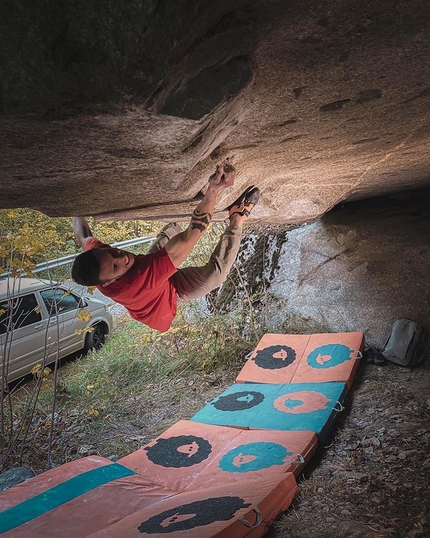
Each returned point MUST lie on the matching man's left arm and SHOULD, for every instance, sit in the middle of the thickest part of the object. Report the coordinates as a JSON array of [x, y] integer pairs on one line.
[[82, 230], [180, 246]]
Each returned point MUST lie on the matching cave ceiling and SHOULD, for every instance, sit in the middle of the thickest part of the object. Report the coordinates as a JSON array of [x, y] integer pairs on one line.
[[121, 110]]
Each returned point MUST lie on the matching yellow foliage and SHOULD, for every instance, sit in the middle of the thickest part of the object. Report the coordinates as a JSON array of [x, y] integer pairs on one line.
[[29, 237], [111, 232], [39, 372], [66, 294], [36, 369], [93, 412], [83, 315]]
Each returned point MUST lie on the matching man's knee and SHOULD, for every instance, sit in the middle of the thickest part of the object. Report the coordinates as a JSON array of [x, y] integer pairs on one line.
[[164, 235], [170, 230], [217, 277]]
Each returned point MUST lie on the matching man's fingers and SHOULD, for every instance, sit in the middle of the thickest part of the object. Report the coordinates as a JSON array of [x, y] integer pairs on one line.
[[224, 174], [219, 174], [229, 180], [229, 175], [228, 165]]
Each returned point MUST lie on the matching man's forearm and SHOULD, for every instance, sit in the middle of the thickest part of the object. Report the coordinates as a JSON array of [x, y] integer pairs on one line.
[[81, 230], [181, 245], [202, 215]]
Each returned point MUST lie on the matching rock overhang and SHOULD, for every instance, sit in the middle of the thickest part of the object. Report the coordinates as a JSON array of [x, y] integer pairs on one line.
[[123, 112]]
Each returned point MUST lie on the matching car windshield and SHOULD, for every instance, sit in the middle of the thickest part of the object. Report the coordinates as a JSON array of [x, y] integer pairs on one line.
[[60, 300]]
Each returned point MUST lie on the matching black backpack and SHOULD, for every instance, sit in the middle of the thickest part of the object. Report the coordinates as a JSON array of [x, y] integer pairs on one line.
[[408, 343]]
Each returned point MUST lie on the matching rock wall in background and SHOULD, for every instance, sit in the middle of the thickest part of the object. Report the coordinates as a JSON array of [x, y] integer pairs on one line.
[[359, 268]]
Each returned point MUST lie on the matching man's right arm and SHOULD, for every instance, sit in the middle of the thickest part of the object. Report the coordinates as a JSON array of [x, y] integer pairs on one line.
[[82, 230], [179, 247]]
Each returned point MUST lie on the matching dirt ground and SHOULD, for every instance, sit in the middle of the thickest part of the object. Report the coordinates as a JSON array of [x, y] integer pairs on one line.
[[373, 480]]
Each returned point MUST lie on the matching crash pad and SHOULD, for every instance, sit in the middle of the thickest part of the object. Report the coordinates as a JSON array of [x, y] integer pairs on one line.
[[292, 358], [235, 510], [300, 406], [190, 455], [75, 499]]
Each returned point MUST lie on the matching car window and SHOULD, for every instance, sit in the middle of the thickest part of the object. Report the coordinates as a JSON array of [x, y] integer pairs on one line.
[[59, 299], [25, 311]]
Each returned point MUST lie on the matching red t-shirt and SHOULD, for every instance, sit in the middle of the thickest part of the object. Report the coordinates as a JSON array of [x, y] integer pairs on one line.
[[145, 290]]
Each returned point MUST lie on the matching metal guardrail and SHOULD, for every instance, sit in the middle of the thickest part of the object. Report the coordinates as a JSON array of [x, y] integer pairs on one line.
[[59, 262]]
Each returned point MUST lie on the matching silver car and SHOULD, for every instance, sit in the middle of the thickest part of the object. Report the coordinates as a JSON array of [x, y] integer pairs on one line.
[[41, 321]]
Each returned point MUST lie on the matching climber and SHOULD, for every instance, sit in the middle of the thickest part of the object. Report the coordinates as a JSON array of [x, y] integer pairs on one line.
[[150, 285]]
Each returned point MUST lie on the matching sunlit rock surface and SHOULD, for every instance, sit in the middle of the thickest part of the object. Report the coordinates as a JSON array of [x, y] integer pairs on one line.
[[122, 110]]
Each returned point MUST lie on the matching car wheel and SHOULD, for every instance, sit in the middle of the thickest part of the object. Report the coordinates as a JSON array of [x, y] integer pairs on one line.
[[96, 338]]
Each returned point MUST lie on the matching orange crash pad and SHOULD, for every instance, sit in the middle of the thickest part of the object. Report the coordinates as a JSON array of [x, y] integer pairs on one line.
[[190, 456], [237, 510], [275, 359], [292, 358], [75, 500]]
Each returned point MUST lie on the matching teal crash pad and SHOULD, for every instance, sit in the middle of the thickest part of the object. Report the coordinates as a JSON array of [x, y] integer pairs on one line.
[[298, 406]]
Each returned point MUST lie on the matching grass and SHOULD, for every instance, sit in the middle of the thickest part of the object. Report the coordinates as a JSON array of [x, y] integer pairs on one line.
[[139, 384], [136, 357], [113, 401]]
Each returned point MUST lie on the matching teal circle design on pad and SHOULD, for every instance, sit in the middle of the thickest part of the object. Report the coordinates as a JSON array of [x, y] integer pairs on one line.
[[253, 456], [329, 355]]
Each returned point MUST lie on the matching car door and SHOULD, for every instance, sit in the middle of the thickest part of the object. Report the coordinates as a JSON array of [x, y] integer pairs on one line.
[[64, 325], [22, 335]]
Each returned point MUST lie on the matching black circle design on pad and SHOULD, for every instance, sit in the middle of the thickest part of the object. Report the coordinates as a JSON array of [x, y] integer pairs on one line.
[[195, 514], [265, 358], [239, 401], [180, 451]]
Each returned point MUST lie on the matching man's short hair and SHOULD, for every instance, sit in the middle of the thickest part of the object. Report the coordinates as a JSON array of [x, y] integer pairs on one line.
[[86, 269]]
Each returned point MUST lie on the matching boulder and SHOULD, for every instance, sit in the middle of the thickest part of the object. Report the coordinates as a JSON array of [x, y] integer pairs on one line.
[[14, 476]]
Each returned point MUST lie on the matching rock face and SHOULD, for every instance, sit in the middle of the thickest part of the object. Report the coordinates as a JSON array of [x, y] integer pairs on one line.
[[359, 268], [121, 110], [14, 476]]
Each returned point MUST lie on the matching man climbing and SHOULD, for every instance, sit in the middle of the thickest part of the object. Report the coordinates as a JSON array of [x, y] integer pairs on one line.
[[150, 285]]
